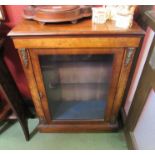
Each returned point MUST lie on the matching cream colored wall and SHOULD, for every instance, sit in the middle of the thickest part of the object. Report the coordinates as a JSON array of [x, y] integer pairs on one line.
[[144, 131]]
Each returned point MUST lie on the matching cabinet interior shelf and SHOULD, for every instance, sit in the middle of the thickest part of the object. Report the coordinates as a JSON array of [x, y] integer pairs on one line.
[[78, 110]]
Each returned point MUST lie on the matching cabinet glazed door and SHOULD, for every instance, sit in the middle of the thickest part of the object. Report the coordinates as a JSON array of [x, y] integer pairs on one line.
[[77, 84]]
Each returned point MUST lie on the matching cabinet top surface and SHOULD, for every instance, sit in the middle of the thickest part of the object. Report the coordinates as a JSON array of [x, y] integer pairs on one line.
[[82, 27]]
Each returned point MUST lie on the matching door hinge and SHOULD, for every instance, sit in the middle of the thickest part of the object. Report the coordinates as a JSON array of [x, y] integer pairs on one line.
[[24, 56]]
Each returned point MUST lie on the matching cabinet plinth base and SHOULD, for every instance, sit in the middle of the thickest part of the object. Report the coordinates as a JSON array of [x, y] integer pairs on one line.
[[78, 127]]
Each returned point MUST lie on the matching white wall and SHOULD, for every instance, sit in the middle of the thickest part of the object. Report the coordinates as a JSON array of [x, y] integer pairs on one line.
[[144, 132]]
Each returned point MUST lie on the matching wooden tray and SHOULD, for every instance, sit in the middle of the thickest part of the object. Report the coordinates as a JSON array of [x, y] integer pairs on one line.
[[57, 13]]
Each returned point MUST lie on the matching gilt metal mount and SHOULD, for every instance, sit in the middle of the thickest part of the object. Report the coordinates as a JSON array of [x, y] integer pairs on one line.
[[24, 56], [129, 55]]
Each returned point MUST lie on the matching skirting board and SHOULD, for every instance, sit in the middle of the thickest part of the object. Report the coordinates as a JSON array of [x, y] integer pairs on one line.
[[130, 138]]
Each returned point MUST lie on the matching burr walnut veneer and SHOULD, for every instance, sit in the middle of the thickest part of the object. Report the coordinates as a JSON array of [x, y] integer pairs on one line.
[[77, 73]]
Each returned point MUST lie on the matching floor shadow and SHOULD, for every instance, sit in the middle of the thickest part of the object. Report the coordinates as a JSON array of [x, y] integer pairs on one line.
[[4, 125]]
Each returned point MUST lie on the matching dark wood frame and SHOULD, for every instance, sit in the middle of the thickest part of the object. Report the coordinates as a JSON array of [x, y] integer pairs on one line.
[[14, 103], [142, 91], [137, 107]]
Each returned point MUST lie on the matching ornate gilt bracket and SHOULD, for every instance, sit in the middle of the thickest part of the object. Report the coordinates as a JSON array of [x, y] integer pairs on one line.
[[24, 56], [129, 54]]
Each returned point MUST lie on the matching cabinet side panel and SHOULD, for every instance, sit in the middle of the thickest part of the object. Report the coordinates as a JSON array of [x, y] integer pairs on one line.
[[127, 62], [28, 70]]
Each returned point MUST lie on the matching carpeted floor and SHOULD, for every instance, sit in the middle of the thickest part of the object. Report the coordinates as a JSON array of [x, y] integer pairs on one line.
[[13, 138]]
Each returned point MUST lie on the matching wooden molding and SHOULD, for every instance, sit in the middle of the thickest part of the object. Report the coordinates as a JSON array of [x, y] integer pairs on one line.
[[72, 42]]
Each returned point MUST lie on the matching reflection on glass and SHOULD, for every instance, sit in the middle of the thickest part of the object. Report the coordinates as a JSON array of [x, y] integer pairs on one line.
[[76, 85]]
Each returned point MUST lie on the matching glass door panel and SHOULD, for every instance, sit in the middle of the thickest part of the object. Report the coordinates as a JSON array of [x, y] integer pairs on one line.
[[77, 86]]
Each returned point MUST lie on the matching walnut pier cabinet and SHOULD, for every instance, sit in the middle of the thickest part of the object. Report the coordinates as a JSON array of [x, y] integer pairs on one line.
[[77, 73]]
